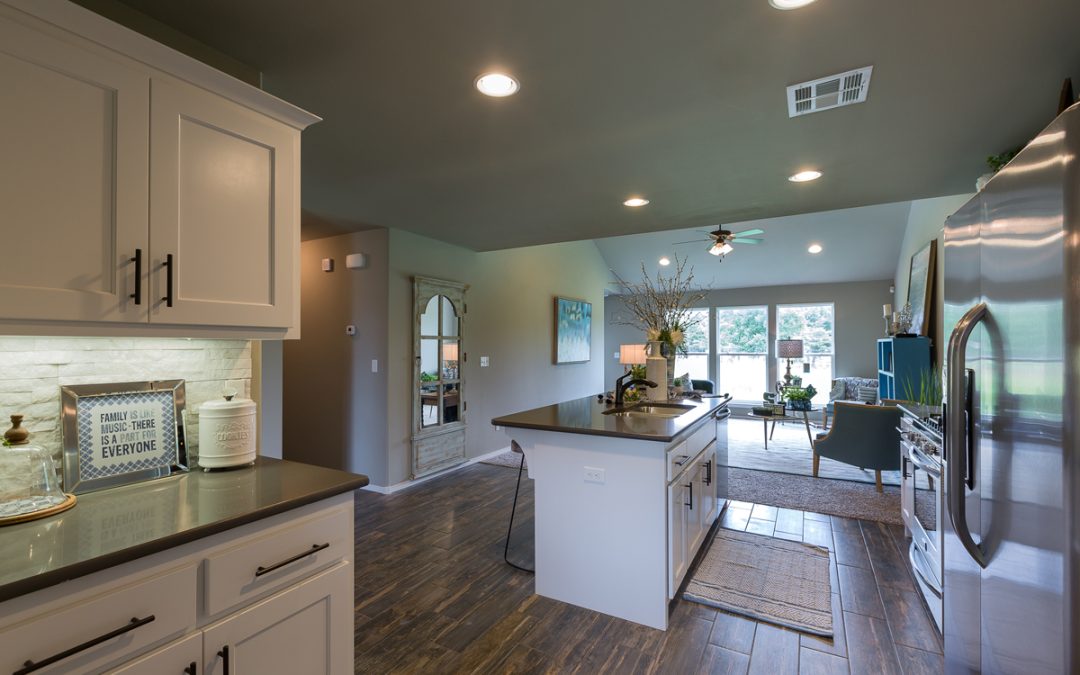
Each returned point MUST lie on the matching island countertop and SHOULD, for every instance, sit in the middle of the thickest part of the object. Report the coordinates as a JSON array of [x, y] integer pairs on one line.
[[117, 525], [586, 416]]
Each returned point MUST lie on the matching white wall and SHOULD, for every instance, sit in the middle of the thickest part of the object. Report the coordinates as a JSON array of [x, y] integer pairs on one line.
[[858, 321], [32, 370], [510, 319], [926, 222]]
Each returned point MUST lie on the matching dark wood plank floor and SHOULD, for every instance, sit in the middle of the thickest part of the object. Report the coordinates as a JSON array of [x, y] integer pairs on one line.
[[433, 595]]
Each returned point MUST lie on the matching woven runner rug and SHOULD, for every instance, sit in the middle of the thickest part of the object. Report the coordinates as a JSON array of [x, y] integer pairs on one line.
[[775, 580]]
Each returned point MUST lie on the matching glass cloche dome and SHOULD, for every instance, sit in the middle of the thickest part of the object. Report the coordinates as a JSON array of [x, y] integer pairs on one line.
[[28, 480]]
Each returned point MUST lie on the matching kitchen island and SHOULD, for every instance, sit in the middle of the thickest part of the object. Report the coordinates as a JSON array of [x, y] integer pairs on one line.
[[247, 569], [625, 497]]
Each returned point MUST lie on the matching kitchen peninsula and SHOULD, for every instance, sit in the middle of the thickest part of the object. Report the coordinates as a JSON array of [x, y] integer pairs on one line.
[[625, 497]]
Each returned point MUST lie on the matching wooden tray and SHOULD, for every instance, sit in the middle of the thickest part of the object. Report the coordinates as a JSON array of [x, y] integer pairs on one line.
[[43, 513]]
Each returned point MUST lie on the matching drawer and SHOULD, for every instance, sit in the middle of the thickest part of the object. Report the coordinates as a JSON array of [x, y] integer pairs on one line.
[[274, 559], [701, 438], [678, 458], [162, 607]]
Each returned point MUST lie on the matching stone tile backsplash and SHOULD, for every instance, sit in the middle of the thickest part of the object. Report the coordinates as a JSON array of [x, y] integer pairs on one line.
[[32, 369]]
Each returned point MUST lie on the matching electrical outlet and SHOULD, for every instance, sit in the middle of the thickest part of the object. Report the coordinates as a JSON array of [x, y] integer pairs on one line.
[[615, 356], [594, 475], [484, 362], [498, 428]]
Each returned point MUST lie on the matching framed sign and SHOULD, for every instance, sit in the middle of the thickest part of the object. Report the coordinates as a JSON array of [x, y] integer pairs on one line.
[[573, 330], [122, 433]]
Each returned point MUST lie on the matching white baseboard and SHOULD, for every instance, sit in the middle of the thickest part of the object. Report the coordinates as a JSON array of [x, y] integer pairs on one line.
[[404, 485]]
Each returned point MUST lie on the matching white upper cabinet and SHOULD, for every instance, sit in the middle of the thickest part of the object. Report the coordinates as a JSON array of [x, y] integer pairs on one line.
[[74, 141], [140, 190], [223, 190]]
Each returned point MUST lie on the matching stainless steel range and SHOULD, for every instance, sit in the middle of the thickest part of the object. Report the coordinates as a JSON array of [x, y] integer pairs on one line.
[[921, 503]]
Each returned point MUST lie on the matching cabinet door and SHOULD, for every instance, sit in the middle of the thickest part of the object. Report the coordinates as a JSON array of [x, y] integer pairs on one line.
[[181, 657], [707, 471], [678, 498], [73, 179], [305, 629], [224, 205]]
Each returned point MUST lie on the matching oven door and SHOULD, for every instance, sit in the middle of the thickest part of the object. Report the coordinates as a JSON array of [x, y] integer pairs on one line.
[[926, 514]]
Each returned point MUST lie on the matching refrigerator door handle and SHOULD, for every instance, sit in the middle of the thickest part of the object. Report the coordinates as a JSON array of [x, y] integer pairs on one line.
[[957, 430]]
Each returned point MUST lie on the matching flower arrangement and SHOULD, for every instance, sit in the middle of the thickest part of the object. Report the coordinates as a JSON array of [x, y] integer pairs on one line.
[[661, 305]]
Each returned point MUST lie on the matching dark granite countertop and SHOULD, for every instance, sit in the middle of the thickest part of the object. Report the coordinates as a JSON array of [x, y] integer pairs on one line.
[[586, 416], [114, 526]]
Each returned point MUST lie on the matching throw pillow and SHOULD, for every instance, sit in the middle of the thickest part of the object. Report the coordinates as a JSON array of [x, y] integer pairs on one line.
[[837, 391], [868, 394]]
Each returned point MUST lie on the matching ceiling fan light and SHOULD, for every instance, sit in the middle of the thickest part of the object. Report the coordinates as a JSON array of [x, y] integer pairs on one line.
[[726, 248], [716, 249]]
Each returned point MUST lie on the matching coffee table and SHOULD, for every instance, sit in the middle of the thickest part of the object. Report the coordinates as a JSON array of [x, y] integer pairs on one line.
[[790, 415]]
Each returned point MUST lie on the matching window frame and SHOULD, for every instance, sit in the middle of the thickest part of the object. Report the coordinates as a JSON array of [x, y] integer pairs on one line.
[[777, 307], [714, 315]]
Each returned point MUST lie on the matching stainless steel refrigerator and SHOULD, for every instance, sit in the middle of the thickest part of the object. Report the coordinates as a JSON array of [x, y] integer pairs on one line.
[[1012, 311]]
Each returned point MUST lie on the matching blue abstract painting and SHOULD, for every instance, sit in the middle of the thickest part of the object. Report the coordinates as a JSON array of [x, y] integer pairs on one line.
[[573, 330]]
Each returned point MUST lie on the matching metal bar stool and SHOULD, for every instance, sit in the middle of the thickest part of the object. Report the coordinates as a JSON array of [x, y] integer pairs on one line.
[[506, 549]]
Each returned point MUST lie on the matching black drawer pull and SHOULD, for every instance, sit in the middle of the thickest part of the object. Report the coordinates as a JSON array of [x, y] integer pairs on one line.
[[137, 295], [192, 669], [168, 299], [30, 666], [315, 548], [684, 458], [224, 654]]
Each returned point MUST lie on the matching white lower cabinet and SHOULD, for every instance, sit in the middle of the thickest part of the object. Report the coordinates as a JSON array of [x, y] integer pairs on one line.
[[301, 630], [692, 508], [273, 596]]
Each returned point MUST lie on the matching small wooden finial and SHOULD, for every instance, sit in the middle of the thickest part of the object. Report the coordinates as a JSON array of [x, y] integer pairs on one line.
[[17, 434]]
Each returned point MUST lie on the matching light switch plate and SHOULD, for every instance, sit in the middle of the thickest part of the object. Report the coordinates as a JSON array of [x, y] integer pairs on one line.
[[374, 365], [594, 475], [484, 362]]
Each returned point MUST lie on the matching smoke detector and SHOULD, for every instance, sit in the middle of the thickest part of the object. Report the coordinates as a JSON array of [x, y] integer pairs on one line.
[[828, 92]]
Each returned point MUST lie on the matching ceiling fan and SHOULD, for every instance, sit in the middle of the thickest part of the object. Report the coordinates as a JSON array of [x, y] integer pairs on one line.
[[722, 240]]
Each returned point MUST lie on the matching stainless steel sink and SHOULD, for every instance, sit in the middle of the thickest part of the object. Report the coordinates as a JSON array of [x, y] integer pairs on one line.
[[650, 409]]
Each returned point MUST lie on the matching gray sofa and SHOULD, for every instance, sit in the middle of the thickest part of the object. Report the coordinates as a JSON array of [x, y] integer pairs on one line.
[[845, 390]]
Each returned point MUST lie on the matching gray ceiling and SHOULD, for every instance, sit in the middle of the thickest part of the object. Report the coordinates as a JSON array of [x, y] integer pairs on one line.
[[682, 102], [859, 244]]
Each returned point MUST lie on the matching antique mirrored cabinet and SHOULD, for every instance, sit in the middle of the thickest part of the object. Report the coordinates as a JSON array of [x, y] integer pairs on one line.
[[439, 405]]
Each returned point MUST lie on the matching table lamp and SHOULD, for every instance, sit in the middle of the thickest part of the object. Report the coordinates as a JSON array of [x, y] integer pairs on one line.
[[789, 349], [632, 355], [450, 356]]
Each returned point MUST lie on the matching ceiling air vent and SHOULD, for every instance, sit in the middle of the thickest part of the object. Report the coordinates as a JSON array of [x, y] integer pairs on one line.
[[829, 92]]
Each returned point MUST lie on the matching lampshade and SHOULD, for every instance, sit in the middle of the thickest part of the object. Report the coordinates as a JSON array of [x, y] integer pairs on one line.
[[450, 351], [632, 355], [789, 349]]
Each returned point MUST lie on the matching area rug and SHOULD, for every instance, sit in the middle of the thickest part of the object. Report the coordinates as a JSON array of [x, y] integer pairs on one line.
[[508, 459], [821, 495], [775, 580]]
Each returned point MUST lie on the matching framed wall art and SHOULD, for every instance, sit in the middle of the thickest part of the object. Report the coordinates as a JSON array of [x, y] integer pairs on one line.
[[573, 331], [122, 433], [921, 287]]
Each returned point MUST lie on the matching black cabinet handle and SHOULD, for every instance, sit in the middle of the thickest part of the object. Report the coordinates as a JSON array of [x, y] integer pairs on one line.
[[137, 295], [224, 654], [30, 665], [192, 669], [708, 472], [168, 281], [684, 458], [691, 502], [315, 548]]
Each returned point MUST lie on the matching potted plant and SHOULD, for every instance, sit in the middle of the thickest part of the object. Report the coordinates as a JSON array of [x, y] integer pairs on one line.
[[799, 399], [926, 394]]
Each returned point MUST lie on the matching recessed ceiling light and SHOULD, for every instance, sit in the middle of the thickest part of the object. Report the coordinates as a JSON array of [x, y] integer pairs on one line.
[[789, 4], [665, 261], [636, 202], [814, 248], [804, 176], [497, 85]]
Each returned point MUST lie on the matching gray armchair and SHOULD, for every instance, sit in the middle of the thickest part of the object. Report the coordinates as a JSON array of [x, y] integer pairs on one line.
[[864, 436]]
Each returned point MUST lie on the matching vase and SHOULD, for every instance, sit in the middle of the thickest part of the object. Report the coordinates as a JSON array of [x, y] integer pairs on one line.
[[656, 369], [668, 351]]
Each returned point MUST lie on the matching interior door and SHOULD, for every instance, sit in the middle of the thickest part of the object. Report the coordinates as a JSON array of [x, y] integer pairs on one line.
[[439, 404], [223, 220], [73, 180]]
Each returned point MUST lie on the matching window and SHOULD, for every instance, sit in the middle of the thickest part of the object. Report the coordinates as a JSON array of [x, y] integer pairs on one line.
[[696, 342], [742, 352], [813, 324]]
